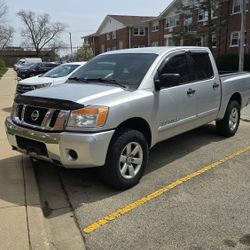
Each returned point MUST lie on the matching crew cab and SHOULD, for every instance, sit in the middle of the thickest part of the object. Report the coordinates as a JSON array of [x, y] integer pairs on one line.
[[120, 104]]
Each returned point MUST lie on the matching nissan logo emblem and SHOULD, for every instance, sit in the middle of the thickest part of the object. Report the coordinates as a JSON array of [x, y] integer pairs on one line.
[[35, 115]]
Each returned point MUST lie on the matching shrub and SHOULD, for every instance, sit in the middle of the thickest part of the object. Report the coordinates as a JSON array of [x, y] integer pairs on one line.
[[231, 62]]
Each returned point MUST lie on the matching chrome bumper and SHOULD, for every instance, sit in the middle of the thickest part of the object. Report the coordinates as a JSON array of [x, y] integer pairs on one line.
[[91, 149]]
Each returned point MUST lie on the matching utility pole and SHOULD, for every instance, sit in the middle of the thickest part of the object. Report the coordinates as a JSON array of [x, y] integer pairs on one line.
[[71, 48], [242, 35]]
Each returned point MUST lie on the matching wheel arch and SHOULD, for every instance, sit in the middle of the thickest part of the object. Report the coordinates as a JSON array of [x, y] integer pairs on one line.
[[236, 97], [139, 124]]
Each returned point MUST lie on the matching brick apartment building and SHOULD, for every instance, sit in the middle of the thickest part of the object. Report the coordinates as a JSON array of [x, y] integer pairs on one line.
[[174, 27], [119, 32]]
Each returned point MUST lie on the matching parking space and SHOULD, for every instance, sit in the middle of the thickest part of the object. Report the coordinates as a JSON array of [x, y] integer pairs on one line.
[[208, 211]]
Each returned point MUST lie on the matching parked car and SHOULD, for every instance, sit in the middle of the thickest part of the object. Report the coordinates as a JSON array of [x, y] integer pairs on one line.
[[55, 76], [122, 103], [35, 69], [24, 61]]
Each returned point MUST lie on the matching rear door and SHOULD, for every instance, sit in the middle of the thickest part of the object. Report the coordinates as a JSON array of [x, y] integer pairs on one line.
[[207, 86]]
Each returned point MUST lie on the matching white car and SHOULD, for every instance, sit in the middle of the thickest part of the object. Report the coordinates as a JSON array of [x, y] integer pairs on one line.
[[57, 75]]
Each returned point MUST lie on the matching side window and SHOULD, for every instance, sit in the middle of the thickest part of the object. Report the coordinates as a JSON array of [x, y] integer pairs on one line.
[[178, 64], [202, 68]]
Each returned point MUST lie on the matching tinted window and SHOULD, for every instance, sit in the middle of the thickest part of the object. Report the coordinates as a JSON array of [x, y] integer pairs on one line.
[[178, 64], [202, 68]]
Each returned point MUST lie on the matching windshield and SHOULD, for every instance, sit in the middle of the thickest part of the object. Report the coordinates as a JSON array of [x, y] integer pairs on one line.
[[28, 65], [61, 70], [127, 69]]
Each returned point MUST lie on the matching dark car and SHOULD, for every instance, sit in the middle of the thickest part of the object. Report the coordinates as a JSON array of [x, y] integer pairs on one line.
[[35, 69]]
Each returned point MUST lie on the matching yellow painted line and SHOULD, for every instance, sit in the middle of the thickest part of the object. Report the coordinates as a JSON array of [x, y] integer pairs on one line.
[[93, 227]]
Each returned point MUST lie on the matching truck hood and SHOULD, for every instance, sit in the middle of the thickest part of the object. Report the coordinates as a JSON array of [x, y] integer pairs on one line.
[[37, 80], [79, 93]]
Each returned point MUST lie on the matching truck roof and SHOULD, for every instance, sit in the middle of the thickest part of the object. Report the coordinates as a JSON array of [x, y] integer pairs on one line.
[[156, 50]]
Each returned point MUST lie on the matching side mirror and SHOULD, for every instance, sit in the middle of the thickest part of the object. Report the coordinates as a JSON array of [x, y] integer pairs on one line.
[[167, 80]]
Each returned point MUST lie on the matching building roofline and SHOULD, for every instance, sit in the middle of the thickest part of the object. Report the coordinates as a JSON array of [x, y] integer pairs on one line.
[[163, 13]]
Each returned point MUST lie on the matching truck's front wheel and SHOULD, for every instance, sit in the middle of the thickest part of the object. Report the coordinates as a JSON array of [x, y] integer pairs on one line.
[[126, 160], [228, 126]]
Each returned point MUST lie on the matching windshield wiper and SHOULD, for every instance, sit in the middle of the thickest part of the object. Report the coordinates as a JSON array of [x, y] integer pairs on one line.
[[111, 81], [78, 79]]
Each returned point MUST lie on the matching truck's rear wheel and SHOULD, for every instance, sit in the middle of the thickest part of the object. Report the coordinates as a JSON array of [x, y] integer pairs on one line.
[[126, 160], [228, 126]]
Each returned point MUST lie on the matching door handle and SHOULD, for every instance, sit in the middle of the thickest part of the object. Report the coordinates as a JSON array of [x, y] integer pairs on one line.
[[191, 91], [216, 85]]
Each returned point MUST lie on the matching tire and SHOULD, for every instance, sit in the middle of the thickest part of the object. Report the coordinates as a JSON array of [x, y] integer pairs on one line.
[[123, 168], [229, 125]]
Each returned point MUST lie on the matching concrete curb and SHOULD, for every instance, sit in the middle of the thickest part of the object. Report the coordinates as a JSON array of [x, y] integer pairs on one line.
[[38, 238], [245, 118]]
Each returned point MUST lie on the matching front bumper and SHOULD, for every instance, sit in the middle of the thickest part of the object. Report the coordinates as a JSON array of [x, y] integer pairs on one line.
[[91, 149]]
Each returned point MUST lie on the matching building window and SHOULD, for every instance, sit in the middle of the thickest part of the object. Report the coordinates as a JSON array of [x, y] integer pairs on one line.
[[155, 44], [108, 36], [202, 15], [140, 31], [215, 11], [120, 44], [235, 39], [200, 41], [214, 40], [155, 26], [236, 6], [172, 21], [114, 35], [102, 48], [169, 41], [188, 23]]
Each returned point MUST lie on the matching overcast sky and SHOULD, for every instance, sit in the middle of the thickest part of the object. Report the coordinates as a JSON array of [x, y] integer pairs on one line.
[[82, 17]]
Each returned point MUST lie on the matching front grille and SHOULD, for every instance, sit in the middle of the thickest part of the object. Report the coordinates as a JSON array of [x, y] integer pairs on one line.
[[22, 88], [40, 117], [34, 115]]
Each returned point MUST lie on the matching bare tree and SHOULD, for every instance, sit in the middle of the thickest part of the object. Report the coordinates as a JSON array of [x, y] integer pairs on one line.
[[39, 31], [6, 31], [6, 35], [3, 10]]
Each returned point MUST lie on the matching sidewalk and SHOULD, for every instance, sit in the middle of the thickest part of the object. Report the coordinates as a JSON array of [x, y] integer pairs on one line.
[[22, 223], [245, 114]]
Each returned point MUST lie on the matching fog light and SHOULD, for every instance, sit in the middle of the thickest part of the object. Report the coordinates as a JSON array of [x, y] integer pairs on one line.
[[72, 155]]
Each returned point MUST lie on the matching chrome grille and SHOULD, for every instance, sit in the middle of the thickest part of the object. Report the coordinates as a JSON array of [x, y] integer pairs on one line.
[[22, 88], [39, 117]]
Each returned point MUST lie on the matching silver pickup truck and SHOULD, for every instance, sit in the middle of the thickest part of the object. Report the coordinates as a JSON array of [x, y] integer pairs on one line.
[[120, 104]]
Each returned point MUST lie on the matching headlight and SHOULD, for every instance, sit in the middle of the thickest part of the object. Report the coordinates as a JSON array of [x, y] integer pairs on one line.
[[44, 85], [89, 117]]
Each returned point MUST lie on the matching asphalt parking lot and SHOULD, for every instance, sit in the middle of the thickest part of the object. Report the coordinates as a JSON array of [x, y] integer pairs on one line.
[[184, 201]]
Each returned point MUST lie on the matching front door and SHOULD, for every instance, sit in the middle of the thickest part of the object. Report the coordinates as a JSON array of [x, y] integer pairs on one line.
[[176, 104]]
